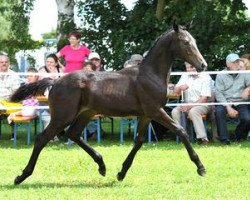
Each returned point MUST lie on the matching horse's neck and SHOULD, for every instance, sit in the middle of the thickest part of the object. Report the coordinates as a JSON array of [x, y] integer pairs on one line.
[[157, 64]]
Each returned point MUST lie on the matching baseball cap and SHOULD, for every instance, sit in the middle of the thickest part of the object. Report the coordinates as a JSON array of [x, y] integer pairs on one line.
[[136, 57], [232, 57], [94, 55]]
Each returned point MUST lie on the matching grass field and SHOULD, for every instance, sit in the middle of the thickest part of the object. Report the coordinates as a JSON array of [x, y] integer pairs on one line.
[[160, 171]]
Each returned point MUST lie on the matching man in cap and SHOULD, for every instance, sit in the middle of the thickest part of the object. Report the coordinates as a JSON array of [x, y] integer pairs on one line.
[[229, 88], [134, 60]]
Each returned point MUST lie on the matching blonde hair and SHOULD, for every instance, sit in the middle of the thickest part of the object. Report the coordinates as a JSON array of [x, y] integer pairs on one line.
[[246, 63], [247, 56]]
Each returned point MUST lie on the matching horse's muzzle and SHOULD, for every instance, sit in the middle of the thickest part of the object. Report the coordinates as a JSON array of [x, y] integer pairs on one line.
[[203, 67]]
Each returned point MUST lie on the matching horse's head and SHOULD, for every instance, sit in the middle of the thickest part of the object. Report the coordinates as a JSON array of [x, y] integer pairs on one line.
[[187, 49]]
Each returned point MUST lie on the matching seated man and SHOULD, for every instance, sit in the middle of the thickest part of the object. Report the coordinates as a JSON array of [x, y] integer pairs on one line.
[[229, 88], [8, 83], [197, 89]]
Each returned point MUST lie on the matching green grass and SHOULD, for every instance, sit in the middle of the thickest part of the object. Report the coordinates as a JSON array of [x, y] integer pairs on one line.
[[160, 171]]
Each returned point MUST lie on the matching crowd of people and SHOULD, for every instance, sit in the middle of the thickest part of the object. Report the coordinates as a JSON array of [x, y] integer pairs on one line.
[[229, 89]]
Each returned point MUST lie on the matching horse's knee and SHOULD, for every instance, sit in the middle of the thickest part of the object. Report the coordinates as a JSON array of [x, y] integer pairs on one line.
[[41, 140], [181, 132]]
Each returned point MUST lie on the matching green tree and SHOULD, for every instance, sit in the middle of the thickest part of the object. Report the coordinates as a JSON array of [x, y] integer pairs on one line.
[[220, 27], [15, 17], [66, 22]]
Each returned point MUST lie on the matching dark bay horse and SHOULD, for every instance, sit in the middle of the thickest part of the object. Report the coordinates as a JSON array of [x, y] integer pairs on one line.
[[140, 91]]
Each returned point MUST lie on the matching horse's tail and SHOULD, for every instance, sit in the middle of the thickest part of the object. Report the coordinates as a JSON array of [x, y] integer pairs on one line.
[[32, 89]]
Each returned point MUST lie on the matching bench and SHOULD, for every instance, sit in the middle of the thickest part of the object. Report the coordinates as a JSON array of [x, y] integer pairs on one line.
[[27, 121]]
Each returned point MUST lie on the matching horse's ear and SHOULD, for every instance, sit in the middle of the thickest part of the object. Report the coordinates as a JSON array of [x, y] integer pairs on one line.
[[176, 27], [189, 25]]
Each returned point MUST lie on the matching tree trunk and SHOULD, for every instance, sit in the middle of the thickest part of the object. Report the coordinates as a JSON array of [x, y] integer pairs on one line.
[[65, 23], [160, 9]]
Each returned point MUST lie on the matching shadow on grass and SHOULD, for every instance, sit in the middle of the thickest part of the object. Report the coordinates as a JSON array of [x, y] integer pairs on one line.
[[27, 186]]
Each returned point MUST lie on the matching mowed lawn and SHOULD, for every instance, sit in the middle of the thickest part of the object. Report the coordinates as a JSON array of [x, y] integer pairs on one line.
[[160, 171]]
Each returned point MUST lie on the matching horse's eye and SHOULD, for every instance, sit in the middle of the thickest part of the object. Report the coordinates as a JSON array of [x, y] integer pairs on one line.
[[186, 43]]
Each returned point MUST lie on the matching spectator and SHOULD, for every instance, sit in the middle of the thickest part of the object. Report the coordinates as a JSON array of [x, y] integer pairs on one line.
[[229, 88], [28, 109], [51, 66], [91, 126], [135, 60], [246, 64], [8, 83], [89, 66], [247, 56], [197, 89], [96, 60], [74, 54]]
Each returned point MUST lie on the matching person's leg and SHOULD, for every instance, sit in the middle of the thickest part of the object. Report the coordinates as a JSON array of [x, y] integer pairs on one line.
[[91, 130], [243, 127], [195, 115], [176, 115], [220, 115], [212, 119], [91, 127]]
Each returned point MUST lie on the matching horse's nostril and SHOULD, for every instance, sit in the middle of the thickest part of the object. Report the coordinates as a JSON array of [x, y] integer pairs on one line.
[[203, 67]]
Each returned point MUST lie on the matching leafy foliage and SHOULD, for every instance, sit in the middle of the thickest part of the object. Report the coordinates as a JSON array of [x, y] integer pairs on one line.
[[220, 27], [16, 16]]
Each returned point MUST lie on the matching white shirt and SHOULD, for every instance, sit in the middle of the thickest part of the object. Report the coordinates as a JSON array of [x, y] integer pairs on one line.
[[8, 84], [198, 86]]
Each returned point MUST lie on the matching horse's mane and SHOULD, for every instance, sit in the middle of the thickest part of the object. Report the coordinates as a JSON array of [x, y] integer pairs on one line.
[[157, 40], [160, 37]]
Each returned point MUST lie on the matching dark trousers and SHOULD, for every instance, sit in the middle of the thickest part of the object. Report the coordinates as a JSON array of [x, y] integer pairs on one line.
[[221, 120]]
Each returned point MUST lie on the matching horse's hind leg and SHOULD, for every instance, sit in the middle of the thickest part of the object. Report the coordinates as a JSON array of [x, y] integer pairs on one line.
[[142, 128], [168, 122], [41, 140], [75, 134]]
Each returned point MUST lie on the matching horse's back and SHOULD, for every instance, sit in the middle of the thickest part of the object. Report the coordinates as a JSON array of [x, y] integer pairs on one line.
[[111, 93]]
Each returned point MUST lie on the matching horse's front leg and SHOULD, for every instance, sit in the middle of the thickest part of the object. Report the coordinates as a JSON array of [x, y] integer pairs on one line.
[[41, 140], [74, 132], [163, 118], [142, 127]]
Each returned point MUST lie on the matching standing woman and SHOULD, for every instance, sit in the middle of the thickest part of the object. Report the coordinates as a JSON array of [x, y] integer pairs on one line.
[[74, 54]]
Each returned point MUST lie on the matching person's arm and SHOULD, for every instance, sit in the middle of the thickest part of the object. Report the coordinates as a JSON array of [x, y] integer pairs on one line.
[[202, 99], [178, 89], [59, 55], [221, 98], [181, 85], [219, 88], [246, 93]]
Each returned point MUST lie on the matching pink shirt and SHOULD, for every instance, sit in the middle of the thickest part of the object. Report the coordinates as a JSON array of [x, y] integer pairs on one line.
[[32, 101], [74, 57]]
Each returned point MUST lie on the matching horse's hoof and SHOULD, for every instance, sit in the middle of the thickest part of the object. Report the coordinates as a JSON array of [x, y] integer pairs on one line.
[[102, 170], [18, 180], [201, 172], [120, 176]]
